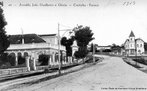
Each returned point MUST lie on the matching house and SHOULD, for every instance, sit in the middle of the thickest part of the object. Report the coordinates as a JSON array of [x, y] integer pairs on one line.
[[134, 46], [32, 46]]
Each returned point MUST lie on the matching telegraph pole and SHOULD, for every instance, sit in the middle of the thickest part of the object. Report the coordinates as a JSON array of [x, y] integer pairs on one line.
[[22, 36], [93, 52], [59, 49]]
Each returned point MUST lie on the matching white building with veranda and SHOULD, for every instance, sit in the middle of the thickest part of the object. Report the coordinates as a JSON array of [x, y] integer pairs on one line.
[[33, 45]]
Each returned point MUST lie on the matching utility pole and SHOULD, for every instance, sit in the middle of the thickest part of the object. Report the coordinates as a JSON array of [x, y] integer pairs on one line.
[[59, 49], [59, 46], [22, 36], [93, 52], [136, 52]]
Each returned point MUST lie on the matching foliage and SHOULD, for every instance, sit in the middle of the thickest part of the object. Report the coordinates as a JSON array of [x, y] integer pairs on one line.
[[115, 48], [83, 35], [107, 50], [81, 53], [68, 43], [91, 47], [43, 59], [4, 43], [11, 60], [141, 60], [6, 60], [145, 46], [21, 60]]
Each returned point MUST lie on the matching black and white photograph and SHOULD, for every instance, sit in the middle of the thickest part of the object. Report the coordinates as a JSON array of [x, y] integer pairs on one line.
[[73, 45]]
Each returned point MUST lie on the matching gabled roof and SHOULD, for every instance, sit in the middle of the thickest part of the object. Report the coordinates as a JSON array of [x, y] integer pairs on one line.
[[126, 41], [132, 34], [47, 35], [139, 39], [28, 38]]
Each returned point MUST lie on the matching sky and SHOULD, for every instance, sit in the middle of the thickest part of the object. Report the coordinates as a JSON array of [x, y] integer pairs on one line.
[[111, 21]]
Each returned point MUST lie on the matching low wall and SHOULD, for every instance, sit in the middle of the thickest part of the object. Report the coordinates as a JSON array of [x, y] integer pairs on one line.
[[4, 72]]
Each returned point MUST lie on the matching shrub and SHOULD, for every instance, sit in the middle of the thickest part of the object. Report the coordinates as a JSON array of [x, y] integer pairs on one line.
[[43, 59], [21, 60], [6, 61], [141, 60]]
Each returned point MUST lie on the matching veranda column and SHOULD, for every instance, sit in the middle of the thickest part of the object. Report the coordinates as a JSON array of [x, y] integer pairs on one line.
[[27, 63], [34, 64], [49, 60], [16, 60], [53, 60]]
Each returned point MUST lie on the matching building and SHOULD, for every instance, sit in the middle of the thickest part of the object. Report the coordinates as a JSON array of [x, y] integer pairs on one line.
[[134, 46], [103, 47], [31, 46]]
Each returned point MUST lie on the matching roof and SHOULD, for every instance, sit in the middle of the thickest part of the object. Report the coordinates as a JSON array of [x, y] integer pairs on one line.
[[47, 35], [139, 39], [103, 46], [132, 34], [28, 38], [126, 41]]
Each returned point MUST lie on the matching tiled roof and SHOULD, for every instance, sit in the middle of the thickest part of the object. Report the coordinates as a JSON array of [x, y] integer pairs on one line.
[[132, 34], [28, 38]]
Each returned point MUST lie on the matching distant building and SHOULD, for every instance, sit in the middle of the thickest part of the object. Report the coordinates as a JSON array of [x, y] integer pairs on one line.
[[134, 46], [103, 47]]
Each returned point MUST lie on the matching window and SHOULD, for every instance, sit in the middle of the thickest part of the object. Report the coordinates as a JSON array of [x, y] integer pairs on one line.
[[131, 38], [140, 45], [126, 46], [137, 45], [139, 51]]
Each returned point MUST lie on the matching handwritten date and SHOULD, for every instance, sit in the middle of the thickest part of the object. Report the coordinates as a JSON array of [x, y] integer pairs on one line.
[[128, 3]]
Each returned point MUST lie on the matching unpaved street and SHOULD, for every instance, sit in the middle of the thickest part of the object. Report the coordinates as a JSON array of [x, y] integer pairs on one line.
[[110, 74]]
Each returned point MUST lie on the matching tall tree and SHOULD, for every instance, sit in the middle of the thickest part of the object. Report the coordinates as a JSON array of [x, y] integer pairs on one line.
[[4, 42], [83, 35], [68, 43]]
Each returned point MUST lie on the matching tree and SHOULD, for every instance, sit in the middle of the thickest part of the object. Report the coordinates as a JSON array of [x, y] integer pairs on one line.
[[91, 47], [4, 42], [83, 35], [116, 48], [145, 46], [68, 43]]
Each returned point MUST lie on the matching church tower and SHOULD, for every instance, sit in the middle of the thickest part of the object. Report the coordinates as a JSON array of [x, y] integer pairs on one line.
[[132, 44], [132, 37]]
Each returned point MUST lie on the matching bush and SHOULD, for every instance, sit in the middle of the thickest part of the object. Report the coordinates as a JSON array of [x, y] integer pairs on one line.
[[6, 61], [43, 59], [141, 60], [80, 53], [21, 60]]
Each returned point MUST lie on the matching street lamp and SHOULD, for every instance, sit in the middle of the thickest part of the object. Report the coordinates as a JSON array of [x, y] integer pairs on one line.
[[60, 44]]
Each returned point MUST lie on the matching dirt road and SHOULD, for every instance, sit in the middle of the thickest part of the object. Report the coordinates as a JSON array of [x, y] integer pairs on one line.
[[110, 74]]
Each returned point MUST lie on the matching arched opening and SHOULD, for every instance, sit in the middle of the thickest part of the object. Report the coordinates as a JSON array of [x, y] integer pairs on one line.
[[21, 60], [56, 57], [43, 59], [26, 54], [12, 59]]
